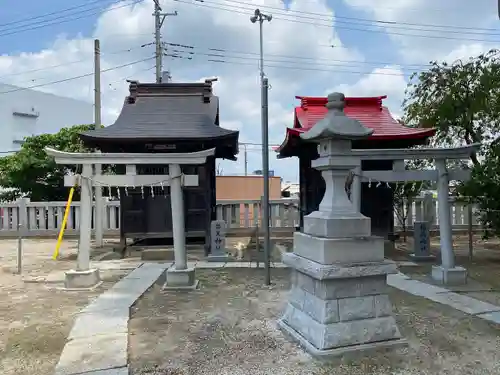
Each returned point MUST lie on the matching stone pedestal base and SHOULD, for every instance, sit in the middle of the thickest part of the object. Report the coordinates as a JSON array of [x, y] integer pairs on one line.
[[219, 257], [180, 279], [333, 307], [345, 352], [82, 279], [422, 257], [449, 276], [157, 254]]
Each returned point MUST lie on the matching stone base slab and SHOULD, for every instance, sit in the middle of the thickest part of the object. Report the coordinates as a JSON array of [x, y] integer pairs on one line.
[[157, 254], [449, 276], [422, 257], [180, 279], [340, 288], [328, 225], [338, 271], [82, 279], [219, 258], [348, 351], [342, 333], [339, 250]]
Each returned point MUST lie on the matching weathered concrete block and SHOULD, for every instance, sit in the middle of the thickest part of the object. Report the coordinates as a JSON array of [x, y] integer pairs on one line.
[[360, 332], [383, 305], [94, 324], [341, 334], [94, 353], [338, 250], [342, 288], [82, 279], [324, 224], [449, 276], [356, 308], [338, 271], [180, 279], [157, 254], [323, 311]]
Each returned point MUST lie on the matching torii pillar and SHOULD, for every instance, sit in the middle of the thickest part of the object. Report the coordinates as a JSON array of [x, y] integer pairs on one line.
[[339, 301]]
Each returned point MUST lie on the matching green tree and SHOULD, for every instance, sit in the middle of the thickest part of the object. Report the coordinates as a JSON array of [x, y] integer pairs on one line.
[[30, 172], [461, 100], [483, 190]]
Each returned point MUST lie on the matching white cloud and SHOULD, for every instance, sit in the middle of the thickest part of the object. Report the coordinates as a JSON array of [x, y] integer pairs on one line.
[[203, 27], [388, 81], [448, 25]]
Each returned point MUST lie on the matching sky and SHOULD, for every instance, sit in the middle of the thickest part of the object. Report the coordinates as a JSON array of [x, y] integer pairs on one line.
[[311, 47]]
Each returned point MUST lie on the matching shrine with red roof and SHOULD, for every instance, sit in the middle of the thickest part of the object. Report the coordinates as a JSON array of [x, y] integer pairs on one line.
[[376, 203]]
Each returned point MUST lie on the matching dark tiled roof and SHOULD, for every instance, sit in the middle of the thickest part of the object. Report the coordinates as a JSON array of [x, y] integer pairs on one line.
[[170, 111]]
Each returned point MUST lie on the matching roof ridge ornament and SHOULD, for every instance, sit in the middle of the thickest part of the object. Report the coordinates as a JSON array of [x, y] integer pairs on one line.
[[336, 124]]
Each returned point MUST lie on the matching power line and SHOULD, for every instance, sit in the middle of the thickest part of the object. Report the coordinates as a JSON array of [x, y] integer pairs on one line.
[[365, 20], [30, 19], [66, 64], [223, 59], [76, 77], [219, 52], [58, 20], [332, 24], [133, 75]]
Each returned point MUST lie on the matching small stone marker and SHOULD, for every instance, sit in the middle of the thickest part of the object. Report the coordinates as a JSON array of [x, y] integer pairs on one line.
[[218, 242], [421, 241], [422, 232]]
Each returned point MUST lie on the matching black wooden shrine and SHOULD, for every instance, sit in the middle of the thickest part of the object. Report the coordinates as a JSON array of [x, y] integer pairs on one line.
[[376, 202], [167, 118]]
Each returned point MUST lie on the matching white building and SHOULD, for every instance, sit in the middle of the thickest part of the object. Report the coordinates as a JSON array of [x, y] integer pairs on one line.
[[28, 112]]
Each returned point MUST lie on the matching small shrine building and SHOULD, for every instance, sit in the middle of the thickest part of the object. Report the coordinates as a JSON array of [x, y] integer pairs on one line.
[[388, 133], [167, 118]]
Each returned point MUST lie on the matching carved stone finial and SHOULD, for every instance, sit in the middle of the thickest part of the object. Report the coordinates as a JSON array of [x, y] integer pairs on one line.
[[336, 124], [336, 101]]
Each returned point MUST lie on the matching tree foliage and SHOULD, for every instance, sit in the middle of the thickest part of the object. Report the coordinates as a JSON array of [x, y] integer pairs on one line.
[[483, 189], [461, 100], [30, 172]]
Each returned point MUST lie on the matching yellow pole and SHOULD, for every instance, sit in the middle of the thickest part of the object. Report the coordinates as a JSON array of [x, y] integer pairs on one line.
[[55, 255]]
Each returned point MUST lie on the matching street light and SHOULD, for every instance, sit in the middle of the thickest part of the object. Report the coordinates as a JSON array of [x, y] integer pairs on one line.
[[261, 17]]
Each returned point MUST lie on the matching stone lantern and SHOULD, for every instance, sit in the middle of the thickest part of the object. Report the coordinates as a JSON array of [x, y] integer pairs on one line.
[[338, 302]]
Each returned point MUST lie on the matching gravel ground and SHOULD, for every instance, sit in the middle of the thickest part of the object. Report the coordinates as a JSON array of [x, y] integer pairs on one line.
[[228, 327], [35, 318]]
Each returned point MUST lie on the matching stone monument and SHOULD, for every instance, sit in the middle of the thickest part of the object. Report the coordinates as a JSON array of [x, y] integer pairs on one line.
[[339, 301], [422, 232], [218, 242]]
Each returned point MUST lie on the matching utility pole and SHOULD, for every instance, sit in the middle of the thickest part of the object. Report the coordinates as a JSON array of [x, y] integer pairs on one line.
[[97, 83], [261, 17], [159, 18], [246, 160], [99, 204]]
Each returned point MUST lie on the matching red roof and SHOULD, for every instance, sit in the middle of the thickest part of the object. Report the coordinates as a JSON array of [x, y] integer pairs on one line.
[[368, 110]]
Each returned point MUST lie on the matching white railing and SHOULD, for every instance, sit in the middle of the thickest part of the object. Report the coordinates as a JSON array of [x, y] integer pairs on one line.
[[45, 218], [459, 215]]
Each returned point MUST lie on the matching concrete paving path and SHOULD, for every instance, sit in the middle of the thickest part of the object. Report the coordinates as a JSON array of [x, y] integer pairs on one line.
[[98, 341], [444, 296]]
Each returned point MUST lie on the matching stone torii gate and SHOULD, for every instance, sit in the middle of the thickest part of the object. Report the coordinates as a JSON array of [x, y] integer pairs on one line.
[[177, 276], [447, 272]]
